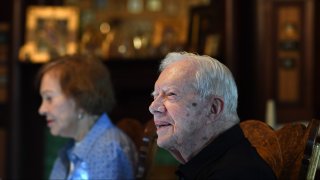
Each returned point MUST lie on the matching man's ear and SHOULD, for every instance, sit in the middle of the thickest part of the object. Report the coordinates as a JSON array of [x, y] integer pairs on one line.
[[217, 105]]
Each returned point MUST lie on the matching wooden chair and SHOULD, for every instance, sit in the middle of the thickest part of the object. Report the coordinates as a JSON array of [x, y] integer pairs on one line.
[[147, 150], [144, 137], [311, 154], [292, 151], [133, 128], [265, 140]]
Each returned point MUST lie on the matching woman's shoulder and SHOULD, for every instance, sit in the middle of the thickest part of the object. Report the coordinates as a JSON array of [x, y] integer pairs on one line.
[[113, 136]]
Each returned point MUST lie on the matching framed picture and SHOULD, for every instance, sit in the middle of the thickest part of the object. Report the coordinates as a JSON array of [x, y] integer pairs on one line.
[[51, 31], [206, 29]]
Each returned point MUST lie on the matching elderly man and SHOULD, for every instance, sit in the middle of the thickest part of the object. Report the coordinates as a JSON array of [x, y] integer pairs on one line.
[[195, 112]]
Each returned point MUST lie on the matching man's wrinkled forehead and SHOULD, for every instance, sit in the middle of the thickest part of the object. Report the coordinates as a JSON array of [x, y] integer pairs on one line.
[[178, 70], [177, 75]]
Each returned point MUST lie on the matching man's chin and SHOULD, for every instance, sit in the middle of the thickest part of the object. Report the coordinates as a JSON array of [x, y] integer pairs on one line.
[[172, 150], [163, 144]]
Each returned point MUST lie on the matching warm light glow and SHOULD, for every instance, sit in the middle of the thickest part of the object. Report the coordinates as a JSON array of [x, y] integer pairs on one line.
[[51, 31], [104, 28], [135, 6], [154, 5], [122, 49], [137, 42]]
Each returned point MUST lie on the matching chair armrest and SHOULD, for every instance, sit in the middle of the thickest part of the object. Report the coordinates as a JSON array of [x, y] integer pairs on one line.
[[314, 160]]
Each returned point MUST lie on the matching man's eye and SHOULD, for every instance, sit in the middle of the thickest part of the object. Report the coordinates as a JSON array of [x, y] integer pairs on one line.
[[171, 94]]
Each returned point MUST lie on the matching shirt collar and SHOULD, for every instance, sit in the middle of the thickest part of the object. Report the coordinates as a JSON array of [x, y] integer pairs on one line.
[[84, 146]]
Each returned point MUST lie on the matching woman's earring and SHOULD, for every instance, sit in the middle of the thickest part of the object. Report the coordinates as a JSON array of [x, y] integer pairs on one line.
[[80, 116]]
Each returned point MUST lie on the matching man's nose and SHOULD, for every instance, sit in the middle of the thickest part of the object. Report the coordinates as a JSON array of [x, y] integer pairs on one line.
[[156, 106]]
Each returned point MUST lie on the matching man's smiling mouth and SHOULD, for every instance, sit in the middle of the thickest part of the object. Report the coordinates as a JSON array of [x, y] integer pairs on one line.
[[161, 125]]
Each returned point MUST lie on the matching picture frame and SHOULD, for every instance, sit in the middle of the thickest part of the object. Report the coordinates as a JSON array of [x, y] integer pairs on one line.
[[51, 31], [206, 30]]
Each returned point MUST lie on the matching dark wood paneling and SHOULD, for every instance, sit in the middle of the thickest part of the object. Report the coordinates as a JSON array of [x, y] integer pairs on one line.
[[133, 82], [269, 64], [317, 59]]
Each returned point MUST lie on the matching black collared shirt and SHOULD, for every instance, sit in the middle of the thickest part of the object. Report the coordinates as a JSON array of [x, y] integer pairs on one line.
[[229, 156]]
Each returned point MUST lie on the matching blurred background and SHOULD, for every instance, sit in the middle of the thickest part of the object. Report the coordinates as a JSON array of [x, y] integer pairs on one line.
[[271, 47]]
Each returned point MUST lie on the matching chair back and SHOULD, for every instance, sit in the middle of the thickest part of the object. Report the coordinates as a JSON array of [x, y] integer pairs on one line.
[[144, 137], [292, 151], [133, 128], [291, 139], [147, 150], [265, 140], [310, 160]]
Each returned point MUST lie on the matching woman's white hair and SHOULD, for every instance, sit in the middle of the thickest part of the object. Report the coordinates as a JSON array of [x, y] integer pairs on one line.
[[211, 78]]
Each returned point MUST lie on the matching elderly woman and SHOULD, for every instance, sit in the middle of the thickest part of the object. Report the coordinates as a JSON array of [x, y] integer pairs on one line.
[[76, 96]]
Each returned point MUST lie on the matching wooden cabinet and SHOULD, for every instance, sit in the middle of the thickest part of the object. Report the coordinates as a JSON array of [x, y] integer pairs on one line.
[[285, 57]]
